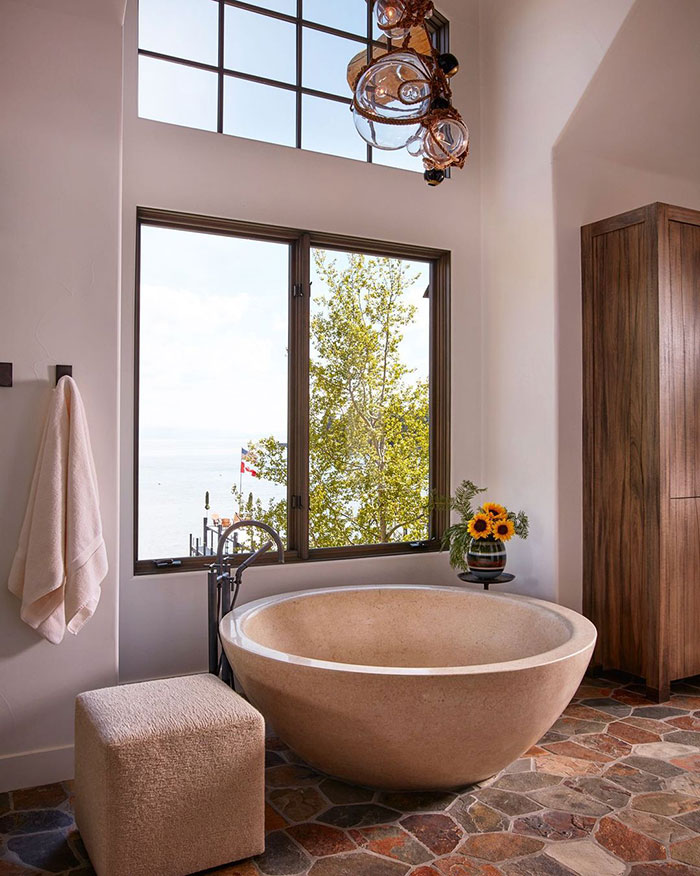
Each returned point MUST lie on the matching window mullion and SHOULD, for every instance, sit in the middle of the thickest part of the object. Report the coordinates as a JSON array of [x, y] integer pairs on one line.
[[439, 392], [300, 48], [298, 452], [220, 97]]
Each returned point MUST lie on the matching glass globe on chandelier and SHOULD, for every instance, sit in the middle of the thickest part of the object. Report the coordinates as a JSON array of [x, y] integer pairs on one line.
[[393, 89], [393, 17], [403, 98]]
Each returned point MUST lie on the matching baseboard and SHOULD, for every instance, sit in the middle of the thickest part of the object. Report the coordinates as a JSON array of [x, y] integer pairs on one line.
[[31, 768]]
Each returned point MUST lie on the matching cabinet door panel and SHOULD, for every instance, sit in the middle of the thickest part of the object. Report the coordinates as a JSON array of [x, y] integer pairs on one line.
[[683, 353], [682, 573], [623, 412]]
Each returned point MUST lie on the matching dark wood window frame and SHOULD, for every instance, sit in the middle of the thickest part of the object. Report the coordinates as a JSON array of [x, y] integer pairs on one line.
[[438, 25], [301, 243]]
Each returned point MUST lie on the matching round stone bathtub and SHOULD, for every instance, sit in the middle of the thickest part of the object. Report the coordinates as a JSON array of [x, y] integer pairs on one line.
[[408, 687]]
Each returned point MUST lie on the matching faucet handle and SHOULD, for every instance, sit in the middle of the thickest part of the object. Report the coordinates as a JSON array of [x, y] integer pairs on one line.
[[253, 557]]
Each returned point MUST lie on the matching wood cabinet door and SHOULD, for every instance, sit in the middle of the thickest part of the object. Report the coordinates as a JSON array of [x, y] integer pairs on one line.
[[682, 573], [682, 351], [621, 372]]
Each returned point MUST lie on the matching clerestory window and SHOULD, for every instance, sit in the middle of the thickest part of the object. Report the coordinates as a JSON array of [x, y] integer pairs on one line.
[[272, 70]]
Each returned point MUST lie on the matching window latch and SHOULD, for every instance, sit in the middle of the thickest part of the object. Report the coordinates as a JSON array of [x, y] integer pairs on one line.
[[167, 564], [298, 290], [297, 502]]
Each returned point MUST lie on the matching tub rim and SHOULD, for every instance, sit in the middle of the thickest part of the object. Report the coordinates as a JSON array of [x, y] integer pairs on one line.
[[583, 633]]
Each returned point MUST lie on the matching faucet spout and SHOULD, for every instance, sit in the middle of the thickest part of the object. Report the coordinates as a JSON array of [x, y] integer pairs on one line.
[[251, 524]]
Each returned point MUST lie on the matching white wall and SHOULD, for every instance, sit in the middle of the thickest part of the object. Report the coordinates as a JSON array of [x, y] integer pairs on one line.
[[632, 140], [163, 618], [60, 106], [537, 57]]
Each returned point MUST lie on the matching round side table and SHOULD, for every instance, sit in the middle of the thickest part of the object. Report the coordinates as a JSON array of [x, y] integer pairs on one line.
[[474, 579]]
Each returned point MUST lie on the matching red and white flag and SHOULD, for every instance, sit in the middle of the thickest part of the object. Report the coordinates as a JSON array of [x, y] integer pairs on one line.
[[245, 464]]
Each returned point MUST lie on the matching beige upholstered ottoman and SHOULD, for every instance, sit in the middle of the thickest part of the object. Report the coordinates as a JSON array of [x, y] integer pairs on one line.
[[169, 777]]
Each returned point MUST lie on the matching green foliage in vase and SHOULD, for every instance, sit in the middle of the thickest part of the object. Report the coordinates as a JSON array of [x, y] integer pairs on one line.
[[368, 417]]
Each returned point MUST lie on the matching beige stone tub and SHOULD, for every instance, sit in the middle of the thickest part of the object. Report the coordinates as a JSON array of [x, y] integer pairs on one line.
[[408, 687]]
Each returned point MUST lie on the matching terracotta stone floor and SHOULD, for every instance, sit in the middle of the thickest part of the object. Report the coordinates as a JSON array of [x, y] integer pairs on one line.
[[613, 789]]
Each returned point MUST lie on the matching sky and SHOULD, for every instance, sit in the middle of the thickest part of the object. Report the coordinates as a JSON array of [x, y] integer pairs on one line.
[[258, 45], [214, 332]]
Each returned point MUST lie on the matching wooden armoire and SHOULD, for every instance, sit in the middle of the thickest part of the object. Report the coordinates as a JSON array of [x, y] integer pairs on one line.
[[641, 442]]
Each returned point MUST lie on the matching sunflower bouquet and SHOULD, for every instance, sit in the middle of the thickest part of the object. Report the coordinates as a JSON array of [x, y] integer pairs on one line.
[[490, 522]]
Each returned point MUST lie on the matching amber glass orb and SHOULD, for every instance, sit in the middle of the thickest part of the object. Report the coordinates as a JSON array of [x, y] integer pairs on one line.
[[445, 141], [390, 14], [397, 86]]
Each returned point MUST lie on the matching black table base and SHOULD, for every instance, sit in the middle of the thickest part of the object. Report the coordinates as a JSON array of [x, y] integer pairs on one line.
[[475, 579]]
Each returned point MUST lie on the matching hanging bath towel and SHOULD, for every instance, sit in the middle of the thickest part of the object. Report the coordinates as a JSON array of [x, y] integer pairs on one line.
[[61, 558]]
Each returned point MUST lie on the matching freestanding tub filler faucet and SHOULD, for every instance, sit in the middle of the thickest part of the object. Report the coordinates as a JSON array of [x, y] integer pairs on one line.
[[223, 587]]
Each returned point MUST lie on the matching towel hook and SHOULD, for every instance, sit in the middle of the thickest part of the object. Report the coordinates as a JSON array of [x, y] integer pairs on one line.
[[63, 371], [6, 373]]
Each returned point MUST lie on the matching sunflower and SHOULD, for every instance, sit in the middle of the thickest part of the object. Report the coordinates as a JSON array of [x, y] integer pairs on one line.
[[504, 529], [494, 510], [479, 526]]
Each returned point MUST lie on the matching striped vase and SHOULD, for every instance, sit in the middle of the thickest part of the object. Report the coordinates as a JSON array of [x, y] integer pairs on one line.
[[486, 557]]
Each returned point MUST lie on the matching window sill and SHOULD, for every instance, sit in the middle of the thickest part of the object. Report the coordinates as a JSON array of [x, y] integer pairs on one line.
[[318, 555]]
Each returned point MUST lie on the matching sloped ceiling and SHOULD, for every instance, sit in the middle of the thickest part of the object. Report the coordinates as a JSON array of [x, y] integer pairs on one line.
[[642, 108]]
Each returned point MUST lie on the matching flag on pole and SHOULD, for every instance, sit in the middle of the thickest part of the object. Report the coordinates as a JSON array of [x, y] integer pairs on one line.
[[245, 466]]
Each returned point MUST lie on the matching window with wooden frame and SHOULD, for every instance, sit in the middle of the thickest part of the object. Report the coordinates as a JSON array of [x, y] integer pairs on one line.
[[296, 377], [271, 70]]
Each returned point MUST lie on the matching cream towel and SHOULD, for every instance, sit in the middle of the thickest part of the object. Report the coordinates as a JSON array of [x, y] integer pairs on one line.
[[61, 558]]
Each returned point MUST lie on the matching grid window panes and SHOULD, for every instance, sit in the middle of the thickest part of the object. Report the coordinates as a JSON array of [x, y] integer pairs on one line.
[[212, 379], [293, 377], [270, 70]]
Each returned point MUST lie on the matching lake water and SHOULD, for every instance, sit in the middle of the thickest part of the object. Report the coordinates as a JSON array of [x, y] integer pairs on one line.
[[174, 474]]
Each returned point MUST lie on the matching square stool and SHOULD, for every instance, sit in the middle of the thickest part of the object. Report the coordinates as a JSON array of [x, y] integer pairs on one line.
[[169, 777]]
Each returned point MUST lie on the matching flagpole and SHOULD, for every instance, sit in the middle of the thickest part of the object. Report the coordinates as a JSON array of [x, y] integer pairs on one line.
[[240, 488]]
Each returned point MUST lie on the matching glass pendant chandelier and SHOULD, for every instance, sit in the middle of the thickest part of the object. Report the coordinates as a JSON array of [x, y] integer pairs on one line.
[[403, 99]]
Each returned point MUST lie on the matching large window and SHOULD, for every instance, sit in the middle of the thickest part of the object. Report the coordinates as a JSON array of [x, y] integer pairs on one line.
[[301, 379], [272, 70]]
